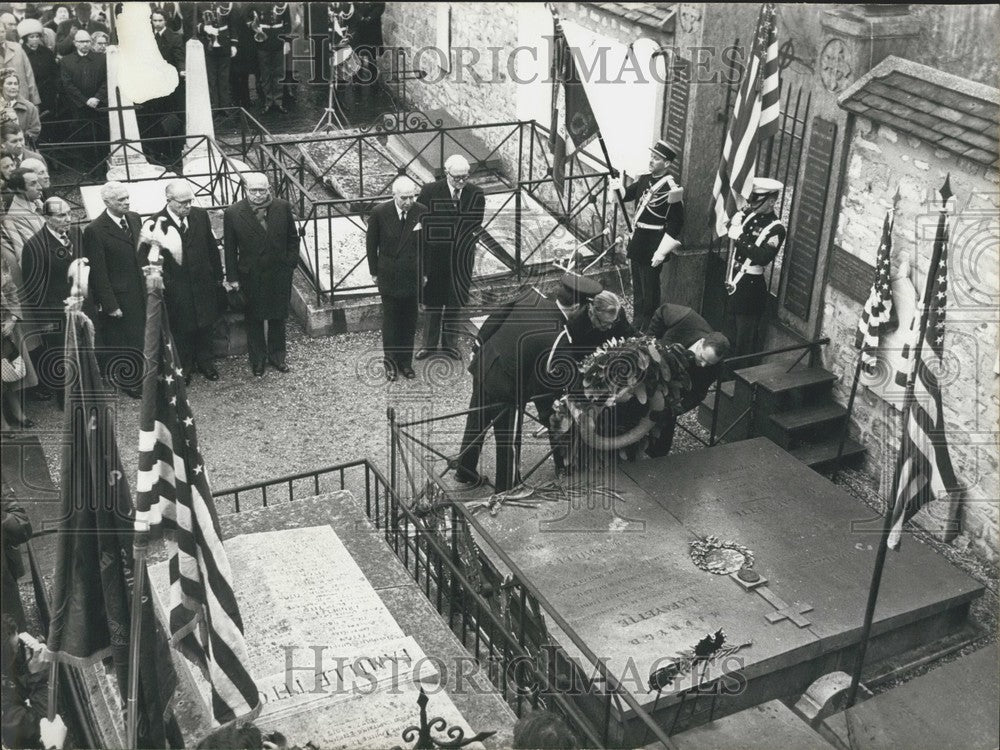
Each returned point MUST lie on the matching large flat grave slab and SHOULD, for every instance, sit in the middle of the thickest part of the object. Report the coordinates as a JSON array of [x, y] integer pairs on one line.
[[313, 577], [955, 705], [764, 727], [622, 576]]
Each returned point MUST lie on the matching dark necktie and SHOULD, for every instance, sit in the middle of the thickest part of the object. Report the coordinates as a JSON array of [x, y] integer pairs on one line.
[[456, 195], [124, 225], [184, 227], [402, 217]]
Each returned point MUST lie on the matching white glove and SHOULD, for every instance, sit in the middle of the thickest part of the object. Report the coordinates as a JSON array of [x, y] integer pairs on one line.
[[53, 733], [736, 226], [667, 245]]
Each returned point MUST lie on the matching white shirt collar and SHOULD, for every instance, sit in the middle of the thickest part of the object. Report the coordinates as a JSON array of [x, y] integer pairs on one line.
[[115, 219], [175, 218], [57, 236]]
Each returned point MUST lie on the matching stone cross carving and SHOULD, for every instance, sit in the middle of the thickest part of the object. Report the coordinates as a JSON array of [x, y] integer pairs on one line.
[[751, 580]]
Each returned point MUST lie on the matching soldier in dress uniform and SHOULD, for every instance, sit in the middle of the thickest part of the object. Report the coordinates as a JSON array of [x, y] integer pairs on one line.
[[757, 235], [658, 222], [269, 21], [512, 363]]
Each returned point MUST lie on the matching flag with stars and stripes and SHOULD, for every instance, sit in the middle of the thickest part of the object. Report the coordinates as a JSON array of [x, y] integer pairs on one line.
[[174, 496], [878, 316], [924, 470], [754, 120]]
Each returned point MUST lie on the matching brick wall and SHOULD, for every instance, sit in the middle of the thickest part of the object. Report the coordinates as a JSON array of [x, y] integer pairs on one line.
[[880, 161]]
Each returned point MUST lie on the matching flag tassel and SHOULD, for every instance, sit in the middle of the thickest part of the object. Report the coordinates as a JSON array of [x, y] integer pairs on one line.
[[888, 518]]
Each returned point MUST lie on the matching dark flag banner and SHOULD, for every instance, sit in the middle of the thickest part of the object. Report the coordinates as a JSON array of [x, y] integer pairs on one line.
[[925, 469], [573, 123], [174, 496], [878, 317], [91, 596]]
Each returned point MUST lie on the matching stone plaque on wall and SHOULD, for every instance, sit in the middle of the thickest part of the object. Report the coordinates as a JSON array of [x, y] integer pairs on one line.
[[851, 275], [802, 251]]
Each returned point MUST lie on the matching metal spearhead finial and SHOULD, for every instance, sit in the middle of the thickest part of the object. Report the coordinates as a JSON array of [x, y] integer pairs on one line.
[[945, 191]]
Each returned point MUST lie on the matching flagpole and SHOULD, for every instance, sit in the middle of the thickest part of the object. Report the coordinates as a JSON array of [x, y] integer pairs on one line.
[[140, 542], [883, 546]]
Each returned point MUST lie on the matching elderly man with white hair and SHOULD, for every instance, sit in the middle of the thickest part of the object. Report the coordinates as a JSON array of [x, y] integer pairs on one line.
[[192, 276], [453, 225], [261, 241], [394, 240], [110, 243]]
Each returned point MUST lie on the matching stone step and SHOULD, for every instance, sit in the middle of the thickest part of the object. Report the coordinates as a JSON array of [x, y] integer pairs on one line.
[[823, 456], [756, 373], [805, 377], [794, 427]]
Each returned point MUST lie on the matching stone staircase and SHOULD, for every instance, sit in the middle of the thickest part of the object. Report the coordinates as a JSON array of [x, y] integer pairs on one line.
[[794, 408]]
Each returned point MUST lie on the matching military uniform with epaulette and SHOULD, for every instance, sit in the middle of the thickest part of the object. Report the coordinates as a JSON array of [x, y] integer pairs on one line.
[[758, 239], [657, 226]]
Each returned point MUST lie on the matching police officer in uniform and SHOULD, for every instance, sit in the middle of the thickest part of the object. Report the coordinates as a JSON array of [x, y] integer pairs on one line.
[[757, 235], [659, 220], [516, 360]]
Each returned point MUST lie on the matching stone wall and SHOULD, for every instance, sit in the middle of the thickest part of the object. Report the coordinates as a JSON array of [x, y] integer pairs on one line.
[[880, 161]]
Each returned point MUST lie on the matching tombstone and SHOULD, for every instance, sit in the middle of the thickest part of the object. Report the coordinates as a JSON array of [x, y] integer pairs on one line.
[[215, 180], [127, 161], [303, 596], [781, 561]]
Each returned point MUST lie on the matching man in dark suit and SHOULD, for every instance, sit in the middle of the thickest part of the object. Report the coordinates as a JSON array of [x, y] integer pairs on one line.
[[394, 239], [160, 116], [262, 250], [178, 16], [512, 364], [45, 260], [192, 277], [452, 227], [658, 223], [110, 242], [677, 324], [84, 77]]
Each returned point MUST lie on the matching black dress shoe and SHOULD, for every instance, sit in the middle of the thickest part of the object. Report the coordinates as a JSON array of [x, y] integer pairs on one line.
[[464, 476], [279, 364], [258, 370], [26, 423], [423, 354], [187, 378], [408, 373], [452, 353], [132, 392], [209, 371]]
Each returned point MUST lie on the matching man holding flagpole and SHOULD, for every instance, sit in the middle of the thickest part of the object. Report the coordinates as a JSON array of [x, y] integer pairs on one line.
[[659, 220]]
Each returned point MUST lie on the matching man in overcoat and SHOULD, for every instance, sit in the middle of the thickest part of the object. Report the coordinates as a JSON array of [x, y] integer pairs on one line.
[[261, 242], [452, 226], [110, 243], [192, 278], [393, 240]]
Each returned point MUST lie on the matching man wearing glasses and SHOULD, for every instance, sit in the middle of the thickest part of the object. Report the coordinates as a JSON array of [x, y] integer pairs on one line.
[[262, 249], [192, 276], [452, 227]]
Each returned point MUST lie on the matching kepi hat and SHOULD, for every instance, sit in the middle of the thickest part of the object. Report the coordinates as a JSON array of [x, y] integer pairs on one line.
[[661, 149], [580, 288]]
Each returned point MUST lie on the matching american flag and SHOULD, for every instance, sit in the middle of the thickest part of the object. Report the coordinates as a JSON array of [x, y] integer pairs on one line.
[[878, 316], [754, 120], [925, 470], [174, 495]]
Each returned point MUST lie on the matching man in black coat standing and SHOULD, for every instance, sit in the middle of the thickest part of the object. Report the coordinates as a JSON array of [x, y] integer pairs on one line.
[[45, 261], [394, 239], [84, 78], [110, 243], [452, 227], [192, 276], [262, 249], [677, 324]]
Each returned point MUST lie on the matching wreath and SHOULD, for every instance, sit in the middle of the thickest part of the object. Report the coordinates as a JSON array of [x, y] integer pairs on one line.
[[639, 369]]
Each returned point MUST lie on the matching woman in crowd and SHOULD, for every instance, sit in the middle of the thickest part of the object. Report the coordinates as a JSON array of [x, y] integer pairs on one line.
[[60, 13], [16, 107], [43, 64], [16, 367], [7, 165], [100, 40]]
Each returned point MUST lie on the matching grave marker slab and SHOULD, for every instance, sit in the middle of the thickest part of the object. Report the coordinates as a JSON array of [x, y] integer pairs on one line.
[[633, 594]]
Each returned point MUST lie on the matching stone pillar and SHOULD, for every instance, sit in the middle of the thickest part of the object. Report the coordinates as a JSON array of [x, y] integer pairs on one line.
[[198, 104], [859, 37], [126, 161]]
